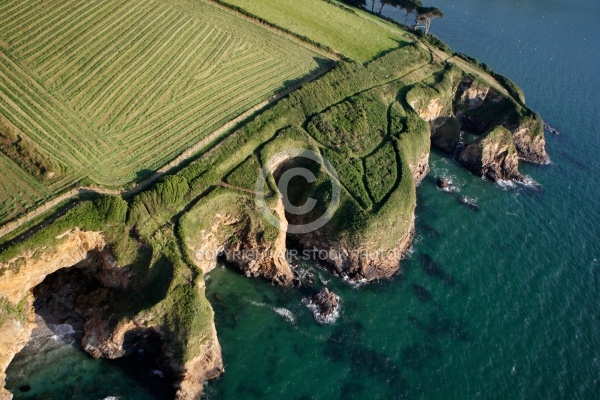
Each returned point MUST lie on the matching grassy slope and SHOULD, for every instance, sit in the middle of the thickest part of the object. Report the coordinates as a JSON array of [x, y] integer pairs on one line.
[[354, 34]]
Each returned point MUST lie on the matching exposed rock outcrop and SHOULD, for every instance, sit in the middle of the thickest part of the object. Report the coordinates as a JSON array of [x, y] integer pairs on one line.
[[358, 262], [530, 142], [463, 104], [421, 168], [256, 256], [325, 306], [239, 237], [493, 157]]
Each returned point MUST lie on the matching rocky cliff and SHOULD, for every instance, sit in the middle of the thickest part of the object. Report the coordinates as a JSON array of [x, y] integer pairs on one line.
[[239, 236], [465, 113]]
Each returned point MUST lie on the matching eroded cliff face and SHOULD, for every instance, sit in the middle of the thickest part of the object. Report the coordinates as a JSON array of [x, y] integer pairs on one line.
[[356, 261], [421, 168], [23, 273], [493, 157], [257, 256], [239, 236], [14, 335], [471, 106], [97, 283], [194, 373]]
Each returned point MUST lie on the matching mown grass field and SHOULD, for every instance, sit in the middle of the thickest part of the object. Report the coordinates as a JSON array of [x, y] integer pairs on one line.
[[355, 34], [18, 189], [113, 89]]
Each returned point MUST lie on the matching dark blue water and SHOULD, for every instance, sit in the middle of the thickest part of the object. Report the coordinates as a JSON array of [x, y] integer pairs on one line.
[[498, 303]]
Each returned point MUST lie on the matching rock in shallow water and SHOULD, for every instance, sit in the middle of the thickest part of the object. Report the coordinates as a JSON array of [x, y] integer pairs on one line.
[[443, 183], [325, 306]]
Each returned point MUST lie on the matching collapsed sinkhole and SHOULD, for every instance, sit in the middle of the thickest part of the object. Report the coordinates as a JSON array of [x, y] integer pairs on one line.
[[297, 179]]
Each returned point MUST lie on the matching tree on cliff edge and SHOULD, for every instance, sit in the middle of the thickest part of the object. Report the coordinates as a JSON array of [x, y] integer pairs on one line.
[[425, 15], [410, 6]]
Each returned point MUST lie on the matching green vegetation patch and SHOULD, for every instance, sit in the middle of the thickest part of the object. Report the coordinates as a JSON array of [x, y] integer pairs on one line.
[[150, 208], [500, 137], [381, 172], [350, 176], [244, 175], [353, 128], [9, 311], [187, 321]]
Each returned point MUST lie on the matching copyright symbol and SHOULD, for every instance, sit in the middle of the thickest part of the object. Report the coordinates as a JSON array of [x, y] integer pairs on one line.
[[284, 182]]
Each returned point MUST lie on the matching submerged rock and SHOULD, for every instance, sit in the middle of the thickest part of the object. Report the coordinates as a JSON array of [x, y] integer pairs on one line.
[[24, 388], [421, 293], [325, 306], [551, 129]]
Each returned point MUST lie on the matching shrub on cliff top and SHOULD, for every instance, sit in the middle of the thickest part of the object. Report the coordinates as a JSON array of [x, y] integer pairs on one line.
[[114, 208]]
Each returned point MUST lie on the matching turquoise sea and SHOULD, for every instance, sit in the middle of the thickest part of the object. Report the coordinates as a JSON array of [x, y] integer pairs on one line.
[[500, 303]]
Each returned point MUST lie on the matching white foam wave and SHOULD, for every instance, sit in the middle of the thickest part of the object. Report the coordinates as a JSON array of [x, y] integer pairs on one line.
[[530, 182], [354, 283], [63, 332], [409, 253], [527, 182], [506, 185], [158, 372], [285, 313], [256, 303], [323, 281]]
